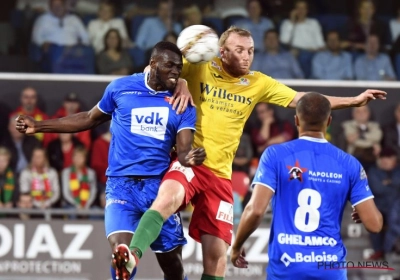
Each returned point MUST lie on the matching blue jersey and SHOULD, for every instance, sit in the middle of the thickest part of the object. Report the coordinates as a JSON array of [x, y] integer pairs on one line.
[[312, 181], [143, 126]]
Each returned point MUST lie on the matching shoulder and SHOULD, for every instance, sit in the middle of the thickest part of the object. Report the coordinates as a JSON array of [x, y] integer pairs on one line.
[[44, 17], [117, 21], [72, 17], [150, 20], [52, 172], [312, 21]]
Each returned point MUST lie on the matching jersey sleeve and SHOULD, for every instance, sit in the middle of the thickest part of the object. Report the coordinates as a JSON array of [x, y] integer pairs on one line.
[[266, 174], [276, 92], [107, 103], [185, 69], [188, 120], [359, 188]]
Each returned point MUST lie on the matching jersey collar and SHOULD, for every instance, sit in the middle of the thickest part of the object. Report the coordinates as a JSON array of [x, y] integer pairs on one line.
[[152, 91], [312, 139]]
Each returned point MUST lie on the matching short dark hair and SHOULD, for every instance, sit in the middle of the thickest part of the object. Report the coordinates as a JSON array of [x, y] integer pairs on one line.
[[165, 46], [272, 30], [313, 109]]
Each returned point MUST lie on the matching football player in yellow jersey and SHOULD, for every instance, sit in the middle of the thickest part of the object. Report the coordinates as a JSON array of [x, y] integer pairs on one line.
[[225, 92]]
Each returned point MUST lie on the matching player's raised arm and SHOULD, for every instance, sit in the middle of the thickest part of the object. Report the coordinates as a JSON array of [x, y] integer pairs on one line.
[[345, 102], [70, 124]]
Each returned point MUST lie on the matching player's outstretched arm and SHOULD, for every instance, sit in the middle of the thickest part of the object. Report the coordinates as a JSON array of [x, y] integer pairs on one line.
[[346, 102], [186, 155], [370, 215], [70, 124], [249, 222]]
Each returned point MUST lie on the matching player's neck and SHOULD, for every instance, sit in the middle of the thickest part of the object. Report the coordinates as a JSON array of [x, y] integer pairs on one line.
[[312, 134], [228, 70]]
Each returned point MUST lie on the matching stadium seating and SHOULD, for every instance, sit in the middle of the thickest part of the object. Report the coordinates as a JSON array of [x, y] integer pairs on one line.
[[71, 60], [305, 61], [397, 65], [138, 57], [332, 22], [231, 20], [240, 183], [135, 24]]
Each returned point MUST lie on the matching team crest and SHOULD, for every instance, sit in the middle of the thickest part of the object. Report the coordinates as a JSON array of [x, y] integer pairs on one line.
[[215, 65], [296, 172], [243, 82]]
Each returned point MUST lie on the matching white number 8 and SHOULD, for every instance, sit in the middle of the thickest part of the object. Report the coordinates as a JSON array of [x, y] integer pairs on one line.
[[307, 215]]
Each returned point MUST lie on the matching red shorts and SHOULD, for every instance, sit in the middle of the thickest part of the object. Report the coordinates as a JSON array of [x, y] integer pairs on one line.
[[211, 197]]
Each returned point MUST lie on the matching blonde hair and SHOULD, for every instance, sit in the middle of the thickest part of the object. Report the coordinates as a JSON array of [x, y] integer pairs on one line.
[[233, 29], [5, 152]]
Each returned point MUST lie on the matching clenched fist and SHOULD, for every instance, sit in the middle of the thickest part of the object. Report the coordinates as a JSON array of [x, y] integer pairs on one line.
[[25, 124]]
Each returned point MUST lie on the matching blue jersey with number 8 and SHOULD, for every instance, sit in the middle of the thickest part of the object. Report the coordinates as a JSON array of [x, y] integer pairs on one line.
[[312, 181]]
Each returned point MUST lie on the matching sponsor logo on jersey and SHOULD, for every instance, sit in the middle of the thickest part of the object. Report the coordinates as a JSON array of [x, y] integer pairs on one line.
[[294, 239], [312, 257], [212, 91], [225, 212], [132, 92], [243, 82], [296, 171], [187, 171], [322, 174], [150, 121]]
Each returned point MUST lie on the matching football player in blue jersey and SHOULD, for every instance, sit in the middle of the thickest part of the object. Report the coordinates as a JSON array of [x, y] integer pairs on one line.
[[144, 128], [310, 182]]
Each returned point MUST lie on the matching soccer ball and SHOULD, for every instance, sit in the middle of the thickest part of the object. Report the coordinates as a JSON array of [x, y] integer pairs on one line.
[[198, 43]]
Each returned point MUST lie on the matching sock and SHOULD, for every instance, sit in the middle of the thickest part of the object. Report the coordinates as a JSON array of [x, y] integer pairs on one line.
[[113, 276], [209, 277], [147, 232], [133, 274]]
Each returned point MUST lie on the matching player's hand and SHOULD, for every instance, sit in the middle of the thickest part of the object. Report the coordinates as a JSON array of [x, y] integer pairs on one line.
[[238, 258], [368, 95], [355, 217], [25, 124], [195, 157], [181, 97]]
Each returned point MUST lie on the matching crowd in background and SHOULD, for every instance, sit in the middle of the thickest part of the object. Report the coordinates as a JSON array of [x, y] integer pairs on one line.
[[294, 39], [291, 41]]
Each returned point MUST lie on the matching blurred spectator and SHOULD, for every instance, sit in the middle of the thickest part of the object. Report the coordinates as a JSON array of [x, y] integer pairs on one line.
[[171, 37], [20, 146], [233, 8], [36, 6], [363, 136], [6, 29], [25, 201], [8, 180], [244, 155], [60, 151], [106, 20], [58, 27], [40, 180], [391, 132], [332, 64], [191, 16], [302, 32], [153, 29], [256, 23], [276, 62], [373, 65], [99, 156], [384, 181], [79, 181], [113, 60], [29, 107], [270, 129], [364, 25], [395, 26], [72, 105]]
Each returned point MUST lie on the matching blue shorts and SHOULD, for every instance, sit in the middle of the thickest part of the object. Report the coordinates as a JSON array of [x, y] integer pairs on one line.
[[126, 201]]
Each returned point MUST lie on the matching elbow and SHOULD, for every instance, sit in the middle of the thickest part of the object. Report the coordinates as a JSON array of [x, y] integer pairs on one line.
[[254, 212]]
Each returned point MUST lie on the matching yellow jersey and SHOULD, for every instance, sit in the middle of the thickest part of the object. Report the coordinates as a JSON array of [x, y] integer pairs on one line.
[[224, 104]]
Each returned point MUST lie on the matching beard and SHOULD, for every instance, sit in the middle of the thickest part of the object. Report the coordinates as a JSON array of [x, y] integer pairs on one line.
[[161, 85]]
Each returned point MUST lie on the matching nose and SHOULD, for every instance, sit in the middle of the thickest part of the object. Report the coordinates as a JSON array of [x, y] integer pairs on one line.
[[175, 70]]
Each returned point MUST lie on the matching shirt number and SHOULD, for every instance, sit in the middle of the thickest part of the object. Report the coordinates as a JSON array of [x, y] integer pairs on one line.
[[307, 215]]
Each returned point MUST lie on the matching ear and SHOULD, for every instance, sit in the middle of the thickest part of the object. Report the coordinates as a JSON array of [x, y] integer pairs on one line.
[[152, 64], [222, 52], [296, 120], [329, 121]]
